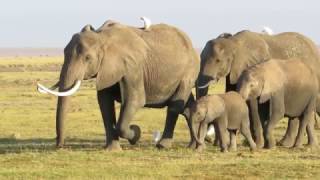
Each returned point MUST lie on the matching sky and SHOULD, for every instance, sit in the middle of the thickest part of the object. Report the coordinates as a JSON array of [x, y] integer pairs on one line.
[[44, 23]]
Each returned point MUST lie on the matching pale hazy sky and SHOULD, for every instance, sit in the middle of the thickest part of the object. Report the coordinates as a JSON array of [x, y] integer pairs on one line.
[[41, 23]]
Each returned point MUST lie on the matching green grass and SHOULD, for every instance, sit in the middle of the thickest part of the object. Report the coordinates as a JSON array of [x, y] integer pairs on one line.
[[27, 146]]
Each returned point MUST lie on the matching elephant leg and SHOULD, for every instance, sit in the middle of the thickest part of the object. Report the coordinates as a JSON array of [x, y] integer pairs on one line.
[[177, 105], [171, 120], [245, 131], [312, 137], [124, 129], [186, 114], [106, 104], [256, 127], [216, 141], [233, 140], [305, 120], [223, 133], [291, 133], [277, 104], [317, 121]]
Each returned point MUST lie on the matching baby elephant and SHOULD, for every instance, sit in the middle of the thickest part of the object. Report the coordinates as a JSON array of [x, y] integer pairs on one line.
[[290, 87], [228, 112]]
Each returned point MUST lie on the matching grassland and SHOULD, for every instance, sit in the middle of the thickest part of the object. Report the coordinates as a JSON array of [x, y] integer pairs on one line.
[[27, 145]]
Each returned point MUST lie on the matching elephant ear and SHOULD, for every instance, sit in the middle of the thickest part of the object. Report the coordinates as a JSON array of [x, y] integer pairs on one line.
[[274, 79], [111, 70], [216, 107], [237, 67]]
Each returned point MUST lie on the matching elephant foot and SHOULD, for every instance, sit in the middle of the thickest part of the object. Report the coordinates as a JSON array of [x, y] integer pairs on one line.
[[269, 146], [209, 139], [201, 147], [114, 146], [137, 134], [216, 142], [297, 146], [313, 146], [286, 142], [59, 144], [192, 145], [164, 143], [259, 143], [253, 147], [224, 150], [232, 149]]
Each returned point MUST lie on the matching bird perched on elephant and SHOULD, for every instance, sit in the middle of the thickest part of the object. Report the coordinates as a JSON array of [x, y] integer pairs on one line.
[[229, 113], [228, 56], [154, 66], [291, 87]]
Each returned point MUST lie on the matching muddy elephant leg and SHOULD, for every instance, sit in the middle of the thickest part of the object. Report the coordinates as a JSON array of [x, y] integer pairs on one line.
[[291, 133], [106, 104], [257, 129], [245, 131], [233, 140], [312, 136], [305, 120]]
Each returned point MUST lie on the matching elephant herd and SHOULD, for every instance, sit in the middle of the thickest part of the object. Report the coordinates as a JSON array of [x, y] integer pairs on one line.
[[268, 77]]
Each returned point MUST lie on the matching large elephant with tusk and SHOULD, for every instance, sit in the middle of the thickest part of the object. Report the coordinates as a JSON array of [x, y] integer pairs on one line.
[[154, 66]]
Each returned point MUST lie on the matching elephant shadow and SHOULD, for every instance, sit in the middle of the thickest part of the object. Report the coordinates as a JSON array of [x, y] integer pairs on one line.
[[13, 145], [42, 145]]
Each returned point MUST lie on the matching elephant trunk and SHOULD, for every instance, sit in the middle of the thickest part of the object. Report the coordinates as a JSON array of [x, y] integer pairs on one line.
[[68, 77], [194, 130], [202, 86], [62, 105], [244, 93]]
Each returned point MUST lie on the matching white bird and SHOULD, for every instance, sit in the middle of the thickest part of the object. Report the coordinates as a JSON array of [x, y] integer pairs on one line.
[[147, 22], [156, 136], [210, 131], [267, 30]]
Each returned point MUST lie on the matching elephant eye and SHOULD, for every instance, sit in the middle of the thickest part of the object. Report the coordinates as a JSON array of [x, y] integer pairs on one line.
[[218, 60], [87, 58]]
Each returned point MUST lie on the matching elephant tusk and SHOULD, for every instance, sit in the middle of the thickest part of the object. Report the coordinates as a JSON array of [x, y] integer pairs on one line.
[[42, 88], [206, 85], [147, 22], [52, 88]]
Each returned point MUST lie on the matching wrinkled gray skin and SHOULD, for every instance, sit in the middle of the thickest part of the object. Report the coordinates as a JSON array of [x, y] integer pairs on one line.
[[291, 87], [139, 68], [228, 56], [228, 112]]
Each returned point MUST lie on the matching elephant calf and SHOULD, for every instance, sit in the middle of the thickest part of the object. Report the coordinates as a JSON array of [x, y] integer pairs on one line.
[[291, 88], [228, 112]]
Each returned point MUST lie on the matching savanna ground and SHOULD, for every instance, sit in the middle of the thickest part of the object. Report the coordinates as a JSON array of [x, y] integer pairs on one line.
[[27, 145]]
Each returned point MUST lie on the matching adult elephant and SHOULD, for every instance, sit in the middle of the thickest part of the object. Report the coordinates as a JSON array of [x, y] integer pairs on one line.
[[228, 56], [154, 66]]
